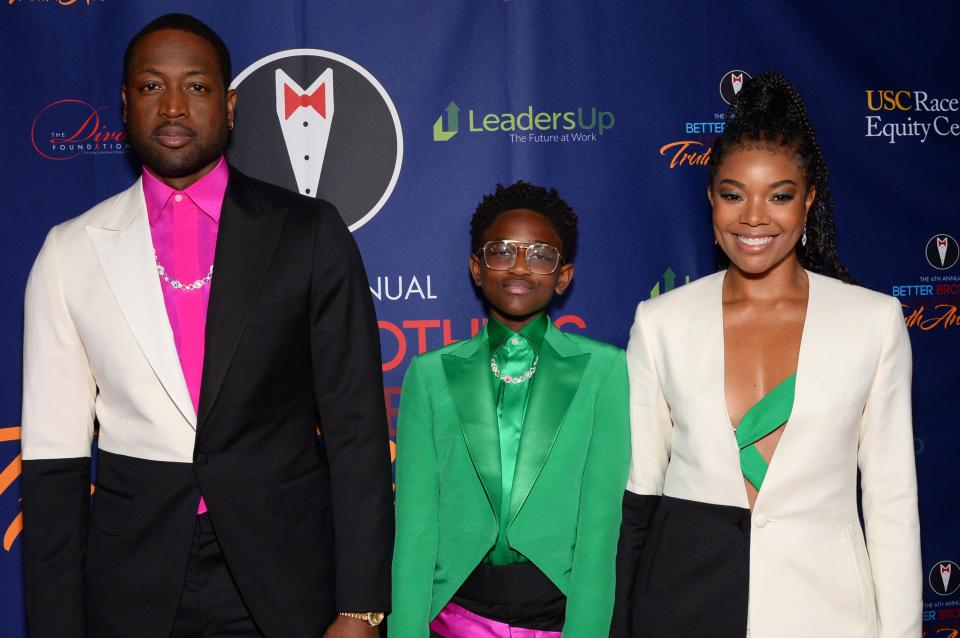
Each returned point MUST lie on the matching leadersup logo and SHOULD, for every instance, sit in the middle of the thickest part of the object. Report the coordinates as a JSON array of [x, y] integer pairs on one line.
[[585, 124], [928, 115], [669, 281], [68, 128]]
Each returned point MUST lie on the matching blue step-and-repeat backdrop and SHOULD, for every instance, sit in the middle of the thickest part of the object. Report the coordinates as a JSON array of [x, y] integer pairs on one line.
[[428, 104]]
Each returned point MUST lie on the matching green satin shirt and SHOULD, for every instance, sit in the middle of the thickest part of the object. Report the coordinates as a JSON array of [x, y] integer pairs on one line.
[[514, 354]]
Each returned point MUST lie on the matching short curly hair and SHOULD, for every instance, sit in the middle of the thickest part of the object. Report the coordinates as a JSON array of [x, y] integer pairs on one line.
[[532, 197], [769, 112], [187, 24]]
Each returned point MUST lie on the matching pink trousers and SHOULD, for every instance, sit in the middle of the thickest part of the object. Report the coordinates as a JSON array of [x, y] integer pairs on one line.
[[456, 622]]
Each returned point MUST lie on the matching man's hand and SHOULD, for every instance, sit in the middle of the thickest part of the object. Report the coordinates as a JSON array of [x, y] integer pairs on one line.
[[346, 627]]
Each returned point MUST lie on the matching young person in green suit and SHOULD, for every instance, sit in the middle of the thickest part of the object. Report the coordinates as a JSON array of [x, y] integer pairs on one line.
[[513, 450]]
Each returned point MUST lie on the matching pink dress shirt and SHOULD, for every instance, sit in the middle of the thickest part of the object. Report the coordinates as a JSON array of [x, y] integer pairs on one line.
[[183, 226]]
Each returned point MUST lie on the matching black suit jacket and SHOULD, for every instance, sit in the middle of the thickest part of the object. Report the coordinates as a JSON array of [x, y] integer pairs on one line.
[[305, 523]]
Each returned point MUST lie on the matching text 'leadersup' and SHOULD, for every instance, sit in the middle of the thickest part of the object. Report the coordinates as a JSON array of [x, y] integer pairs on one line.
[[584, 124], [529, 120], [543, 121], [916, 102]]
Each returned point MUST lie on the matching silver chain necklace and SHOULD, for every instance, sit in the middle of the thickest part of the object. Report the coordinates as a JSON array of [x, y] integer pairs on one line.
[[176, 284], [526, 376]]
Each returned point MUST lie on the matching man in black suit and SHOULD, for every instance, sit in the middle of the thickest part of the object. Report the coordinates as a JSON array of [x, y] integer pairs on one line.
[[217, 511]]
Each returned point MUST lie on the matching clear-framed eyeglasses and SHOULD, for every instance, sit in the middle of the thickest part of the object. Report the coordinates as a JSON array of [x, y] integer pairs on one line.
[[501, 254]]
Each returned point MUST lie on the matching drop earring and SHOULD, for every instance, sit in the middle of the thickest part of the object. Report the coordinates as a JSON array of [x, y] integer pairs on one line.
[[803, 237]]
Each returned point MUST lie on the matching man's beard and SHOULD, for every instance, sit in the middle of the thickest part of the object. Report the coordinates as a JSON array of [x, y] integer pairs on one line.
[[167, 163]]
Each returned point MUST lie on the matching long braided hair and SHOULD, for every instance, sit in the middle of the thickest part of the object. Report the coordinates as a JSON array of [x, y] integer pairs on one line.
[[769, 112]]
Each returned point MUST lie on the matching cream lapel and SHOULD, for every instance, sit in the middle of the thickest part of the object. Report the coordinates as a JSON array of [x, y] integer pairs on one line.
[[794, 452], [125, 252], [728, 488]]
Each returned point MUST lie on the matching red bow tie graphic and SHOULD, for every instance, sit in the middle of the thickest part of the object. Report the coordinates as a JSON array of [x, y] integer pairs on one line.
[[293, 100], [945, 569], [941, 242]]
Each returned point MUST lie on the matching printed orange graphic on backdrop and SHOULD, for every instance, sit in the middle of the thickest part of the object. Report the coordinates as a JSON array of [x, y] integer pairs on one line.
[[62, 3], [10, 474], [686, 152], [7, 477], [944, 316]]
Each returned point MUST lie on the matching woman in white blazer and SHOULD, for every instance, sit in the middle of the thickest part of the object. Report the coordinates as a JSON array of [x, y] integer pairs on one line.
[[756, 395]]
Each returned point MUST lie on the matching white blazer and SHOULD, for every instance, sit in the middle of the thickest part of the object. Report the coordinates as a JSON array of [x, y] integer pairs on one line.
[[96, 329], [811, 573]]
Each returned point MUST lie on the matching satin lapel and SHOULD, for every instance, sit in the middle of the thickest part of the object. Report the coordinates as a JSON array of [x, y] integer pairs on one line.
[[246, 239], [707, 344], [125, 252], [556, 381], [811, 359], [471, 386]]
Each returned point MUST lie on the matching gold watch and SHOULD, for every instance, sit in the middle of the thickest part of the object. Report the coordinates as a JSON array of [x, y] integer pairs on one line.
[[372, 617]]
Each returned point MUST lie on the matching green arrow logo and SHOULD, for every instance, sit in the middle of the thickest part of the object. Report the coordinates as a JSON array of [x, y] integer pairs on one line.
[[669, 281], [669, 278], [441, 134]]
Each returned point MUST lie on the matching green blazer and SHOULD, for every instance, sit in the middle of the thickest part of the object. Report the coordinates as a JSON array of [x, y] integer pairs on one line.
[[571, 471]]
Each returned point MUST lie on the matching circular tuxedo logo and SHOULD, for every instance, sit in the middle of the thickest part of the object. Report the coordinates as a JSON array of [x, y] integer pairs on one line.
[[731, 83], [944, 578], [942, 252], [319, 124]]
